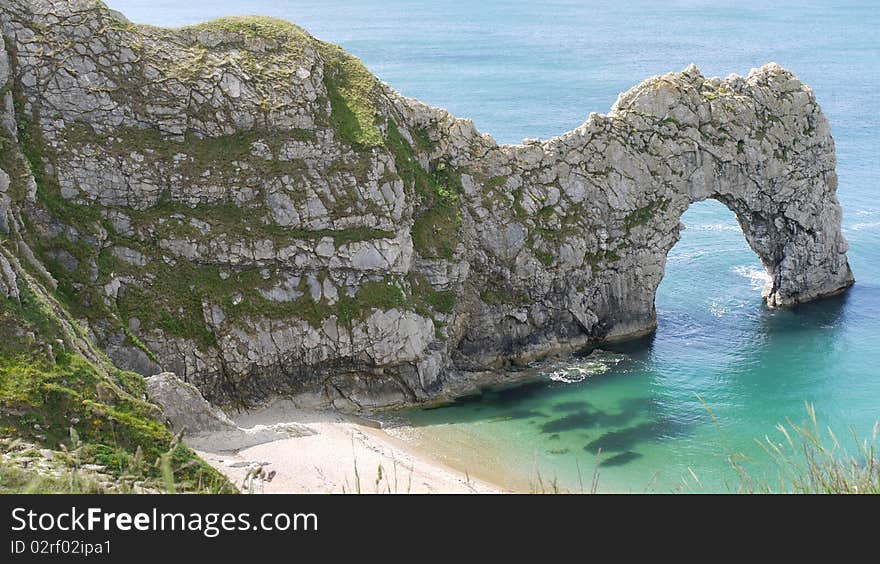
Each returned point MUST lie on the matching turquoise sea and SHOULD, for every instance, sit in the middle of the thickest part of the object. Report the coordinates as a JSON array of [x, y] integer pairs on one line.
[[722, 370]]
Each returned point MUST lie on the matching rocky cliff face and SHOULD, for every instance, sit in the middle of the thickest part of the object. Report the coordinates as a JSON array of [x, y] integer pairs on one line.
[[250, 208], [69, 418]]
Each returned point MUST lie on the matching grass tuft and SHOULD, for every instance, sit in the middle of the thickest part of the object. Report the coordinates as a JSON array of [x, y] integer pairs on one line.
[[810, 459]]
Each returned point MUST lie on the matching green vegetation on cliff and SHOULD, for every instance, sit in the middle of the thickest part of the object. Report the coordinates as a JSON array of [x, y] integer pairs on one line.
[[48, 387], [643, 215], [351, 88], [262, 28], [438, 219]]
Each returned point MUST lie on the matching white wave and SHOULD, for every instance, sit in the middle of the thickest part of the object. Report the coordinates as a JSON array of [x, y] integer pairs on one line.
[[571, 373], [757, 276], [864, 226], [676, 255], [714, 227], [718, 309], [864, 212], [683, 256], [574, 374]]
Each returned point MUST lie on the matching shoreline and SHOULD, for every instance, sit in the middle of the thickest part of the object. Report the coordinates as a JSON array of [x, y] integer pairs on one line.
[[318, 449], [315, 451]]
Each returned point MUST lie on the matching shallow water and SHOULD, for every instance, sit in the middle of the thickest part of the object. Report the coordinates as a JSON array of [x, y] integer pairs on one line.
[[530, 69]]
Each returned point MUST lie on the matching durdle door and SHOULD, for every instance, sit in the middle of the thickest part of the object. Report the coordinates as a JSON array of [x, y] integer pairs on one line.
[[250, 208]]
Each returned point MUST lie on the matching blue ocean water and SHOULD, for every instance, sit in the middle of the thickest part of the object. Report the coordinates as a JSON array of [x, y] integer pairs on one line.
[[721, 370]]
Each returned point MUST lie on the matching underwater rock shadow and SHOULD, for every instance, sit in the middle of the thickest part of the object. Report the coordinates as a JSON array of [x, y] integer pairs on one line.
[[518, 414], [568, 406], [626, 439], [583, 415], [620, 459], [491, 404], [587, 420], [505, 403]]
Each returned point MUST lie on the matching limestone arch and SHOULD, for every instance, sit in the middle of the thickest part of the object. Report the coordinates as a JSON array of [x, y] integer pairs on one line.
[[596, 210]]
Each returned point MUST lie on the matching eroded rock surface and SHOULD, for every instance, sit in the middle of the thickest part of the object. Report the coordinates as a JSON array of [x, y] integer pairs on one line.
[[205, 427], [250, 208], [184, 406]]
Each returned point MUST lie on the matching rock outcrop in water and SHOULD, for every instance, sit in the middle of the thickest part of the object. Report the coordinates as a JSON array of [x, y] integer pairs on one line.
[[250, 208]]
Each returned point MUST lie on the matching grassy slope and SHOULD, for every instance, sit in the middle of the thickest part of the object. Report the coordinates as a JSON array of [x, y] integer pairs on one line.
[[52, 395]]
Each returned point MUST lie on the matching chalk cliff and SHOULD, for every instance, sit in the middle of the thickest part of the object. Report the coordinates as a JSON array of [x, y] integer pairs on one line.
[[248, 207]]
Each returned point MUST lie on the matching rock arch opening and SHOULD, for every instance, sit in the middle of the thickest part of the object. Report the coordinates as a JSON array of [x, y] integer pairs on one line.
[[711, 267]]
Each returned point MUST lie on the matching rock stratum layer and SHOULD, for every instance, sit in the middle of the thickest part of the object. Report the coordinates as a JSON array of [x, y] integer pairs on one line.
[[248, 207]]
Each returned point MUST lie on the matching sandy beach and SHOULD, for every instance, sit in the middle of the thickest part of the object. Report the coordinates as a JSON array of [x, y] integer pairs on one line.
[[327, 452]]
